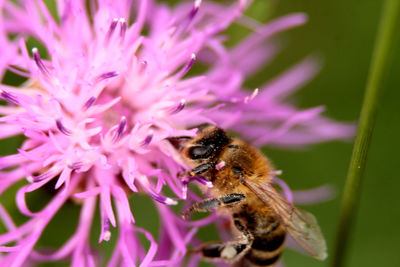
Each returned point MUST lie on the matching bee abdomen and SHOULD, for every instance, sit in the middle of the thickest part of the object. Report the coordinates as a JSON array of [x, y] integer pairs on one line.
[[262, 258], [266, 248]]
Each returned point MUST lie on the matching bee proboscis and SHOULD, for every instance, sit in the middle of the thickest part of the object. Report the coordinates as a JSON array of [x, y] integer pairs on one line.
[[242, 186]]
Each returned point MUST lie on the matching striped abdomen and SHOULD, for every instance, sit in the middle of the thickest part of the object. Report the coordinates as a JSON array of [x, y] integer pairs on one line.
[[269, 236]]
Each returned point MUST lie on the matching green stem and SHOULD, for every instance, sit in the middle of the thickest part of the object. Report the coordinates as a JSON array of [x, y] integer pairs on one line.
[[369, 109]]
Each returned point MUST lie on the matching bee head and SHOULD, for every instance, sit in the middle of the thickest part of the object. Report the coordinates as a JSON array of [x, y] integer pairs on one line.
[[208, 143]]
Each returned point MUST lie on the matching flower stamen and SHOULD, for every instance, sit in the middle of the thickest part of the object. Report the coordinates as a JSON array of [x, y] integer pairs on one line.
[[148, 138], [39, 62], [220, 165], [142, 67], [105, 229], [111, 29], [9, 97], [178, 108], [120, 129], [122, 29], [107, 75], [76, 165], [165, 200], [89, 103], [187, 66], [195, 9], [247, 99], [62, 128]]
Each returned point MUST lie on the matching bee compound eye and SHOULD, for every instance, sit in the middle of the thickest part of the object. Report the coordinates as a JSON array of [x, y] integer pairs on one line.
[[200, 152]]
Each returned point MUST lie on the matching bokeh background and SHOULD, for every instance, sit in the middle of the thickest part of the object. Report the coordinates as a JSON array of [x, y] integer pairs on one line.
[[341, 34]]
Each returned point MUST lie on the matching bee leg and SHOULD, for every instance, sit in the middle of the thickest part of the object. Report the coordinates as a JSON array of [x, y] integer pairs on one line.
[[212, 203], [232, 198], [197, 171], [229, 251], [202, 168]]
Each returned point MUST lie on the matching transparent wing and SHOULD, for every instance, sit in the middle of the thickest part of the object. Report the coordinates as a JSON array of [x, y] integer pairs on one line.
[[301, 225]]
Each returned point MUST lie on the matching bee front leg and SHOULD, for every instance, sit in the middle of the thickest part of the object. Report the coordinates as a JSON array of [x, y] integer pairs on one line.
[[202, 168], [197, 171], [212, 203]]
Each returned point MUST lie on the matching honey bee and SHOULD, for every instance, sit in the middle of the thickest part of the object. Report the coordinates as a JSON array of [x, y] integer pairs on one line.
[[241, 178]]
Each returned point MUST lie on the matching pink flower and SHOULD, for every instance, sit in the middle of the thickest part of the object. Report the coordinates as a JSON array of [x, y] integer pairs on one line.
[[96, 111]]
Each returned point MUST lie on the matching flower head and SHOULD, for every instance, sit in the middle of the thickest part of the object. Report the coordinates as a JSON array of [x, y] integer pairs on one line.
[[111, 81]]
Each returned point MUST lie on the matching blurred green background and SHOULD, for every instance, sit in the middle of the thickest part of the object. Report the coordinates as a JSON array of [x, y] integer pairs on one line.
[[341, 33]]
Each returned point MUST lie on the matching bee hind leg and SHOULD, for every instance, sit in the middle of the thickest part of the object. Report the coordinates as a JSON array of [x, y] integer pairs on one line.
[[230, 251], [212, 203]]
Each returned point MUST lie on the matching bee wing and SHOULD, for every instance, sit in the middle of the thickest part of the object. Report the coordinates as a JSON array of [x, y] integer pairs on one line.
[[301, 225]]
